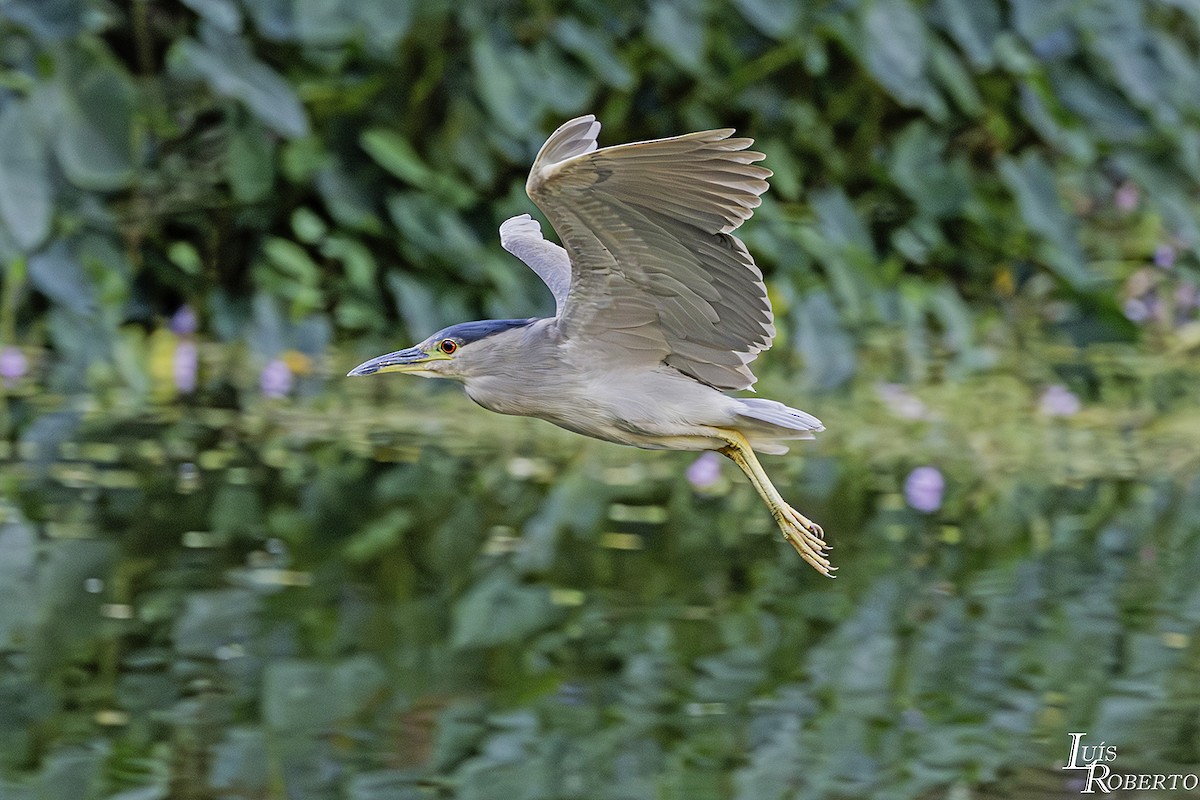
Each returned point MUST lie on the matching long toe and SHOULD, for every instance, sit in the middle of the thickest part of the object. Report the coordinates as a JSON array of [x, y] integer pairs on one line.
[[806, 537], [808, 525]]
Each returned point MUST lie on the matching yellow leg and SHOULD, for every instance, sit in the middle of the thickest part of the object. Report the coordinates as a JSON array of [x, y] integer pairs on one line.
[[800, 531]]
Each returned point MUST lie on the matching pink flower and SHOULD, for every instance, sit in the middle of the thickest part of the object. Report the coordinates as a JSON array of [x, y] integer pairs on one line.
[[184, 321], [1059, 401], [1126, 197], [1186, 296], [1164, 256], [900, 402], [705, 471], [13, 365], [923, 489], [1136, 310], [184, 366], [276, 379]]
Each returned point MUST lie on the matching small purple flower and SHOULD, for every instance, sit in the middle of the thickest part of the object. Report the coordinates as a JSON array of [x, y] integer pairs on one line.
[[276, 379], [1126, 197], [1186, 296], [900, 402], [1136, 310], [1059, 401], [705, 471], [184, 321], [13, 365], [923, 489], [184, 366], [1164, 256]]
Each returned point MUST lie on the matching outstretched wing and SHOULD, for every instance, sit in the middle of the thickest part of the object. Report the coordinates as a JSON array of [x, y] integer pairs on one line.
[[656, 273], [522, 236]]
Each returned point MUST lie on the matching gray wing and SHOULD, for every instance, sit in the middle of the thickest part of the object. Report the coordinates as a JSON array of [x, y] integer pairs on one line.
[[522, 236], [656, 274]]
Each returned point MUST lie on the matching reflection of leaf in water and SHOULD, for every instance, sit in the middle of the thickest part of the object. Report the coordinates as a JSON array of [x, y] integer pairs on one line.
[[311, 697], [499, 610], [18, 603], [239, 762], [215, 619]]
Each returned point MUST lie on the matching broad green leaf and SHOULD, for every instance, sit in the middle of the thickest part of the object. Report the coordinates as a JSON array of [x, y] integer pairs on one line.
[[57, 273], [18, 600], [826, 347], [395, 154], [1108, 115], [239, 761], [26, 187], [499, 87], [499, 610], [974, 26], [250, 166], [72, 772], [1031, 181], [840, 223], [919, 166], [677, 27], [896, 49], [346, 199], [229, 66], [91, 109], [292, 259], [596, 49], [48, 20], [216, 619], [323, 22], [775, 18], [384, 23], [223, 14]]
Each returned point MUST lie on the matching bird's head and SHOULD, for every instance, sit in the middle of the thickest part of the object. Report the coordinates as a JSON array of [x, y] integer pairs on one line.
[[449, 353]]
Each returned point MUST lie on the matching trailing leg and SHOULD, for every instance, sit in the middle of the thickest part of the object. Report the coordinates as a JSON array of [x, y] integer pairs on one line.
[[801, 532]]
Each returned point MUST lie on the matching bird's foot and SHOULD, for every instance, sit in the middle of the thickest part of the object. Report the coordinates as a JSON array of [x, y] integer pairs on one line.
[[807, 537]]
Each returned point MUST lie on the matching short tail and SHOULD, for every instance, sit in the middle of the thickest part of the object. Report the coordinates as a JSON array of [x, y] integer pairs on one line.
[[764, 422]]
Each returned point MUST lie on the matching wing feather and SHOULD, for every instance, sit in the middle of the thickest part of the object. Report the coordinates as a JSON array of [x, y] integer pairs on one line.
[[522, 236], [654, 267]]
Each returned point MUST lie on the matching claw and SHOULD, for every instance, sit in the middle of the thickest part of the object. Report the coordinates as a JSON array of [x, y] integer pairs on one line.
[[806, 537]]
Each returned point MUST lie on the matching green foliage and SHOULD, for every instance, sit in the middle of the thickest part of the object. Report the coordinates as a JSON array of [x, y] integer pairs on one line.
[[225, 573], [971, 146]]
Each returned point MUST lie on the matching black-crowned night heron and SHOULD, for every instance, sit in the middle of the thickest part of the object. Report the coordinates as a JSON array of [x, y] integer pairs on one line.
[[661, 309]]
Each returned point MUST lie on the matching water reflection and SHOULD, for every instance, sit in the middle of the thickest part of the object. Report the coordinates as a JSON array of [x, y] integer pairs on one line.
[[389, 593]]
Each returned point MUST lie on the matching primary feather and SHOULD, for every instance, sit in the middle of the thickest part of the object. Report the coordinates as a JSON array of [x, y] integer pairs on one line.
[[655, 272]]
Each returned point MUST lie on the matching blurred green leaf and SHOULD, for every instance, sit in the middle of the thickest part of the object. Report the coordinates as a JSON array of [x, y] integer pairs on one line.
[[1031, 180], [677, 27], [18, 599], [223, 14], [896, 50], [216, 619], [239, 762], [227, 63], [91, 108], [250, 168], [49, 20], [26, 189], [57, 273], [974, 27], [394, 153], [596, 50], [498, 609], [775, 18]]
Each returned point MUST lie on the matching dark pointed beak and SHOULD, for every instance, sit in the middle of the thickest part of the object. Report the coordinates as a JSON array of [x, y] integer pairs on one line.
[[410, 360]]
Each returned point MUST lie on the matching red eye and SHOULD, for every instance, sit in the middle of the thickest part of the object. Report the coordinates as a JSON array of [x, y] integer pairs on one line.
[[448, 346]]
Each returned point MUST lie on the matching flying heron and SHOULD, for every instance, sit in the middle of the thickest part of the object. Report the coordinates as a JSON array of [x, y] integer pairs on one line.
[[660, 309]]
